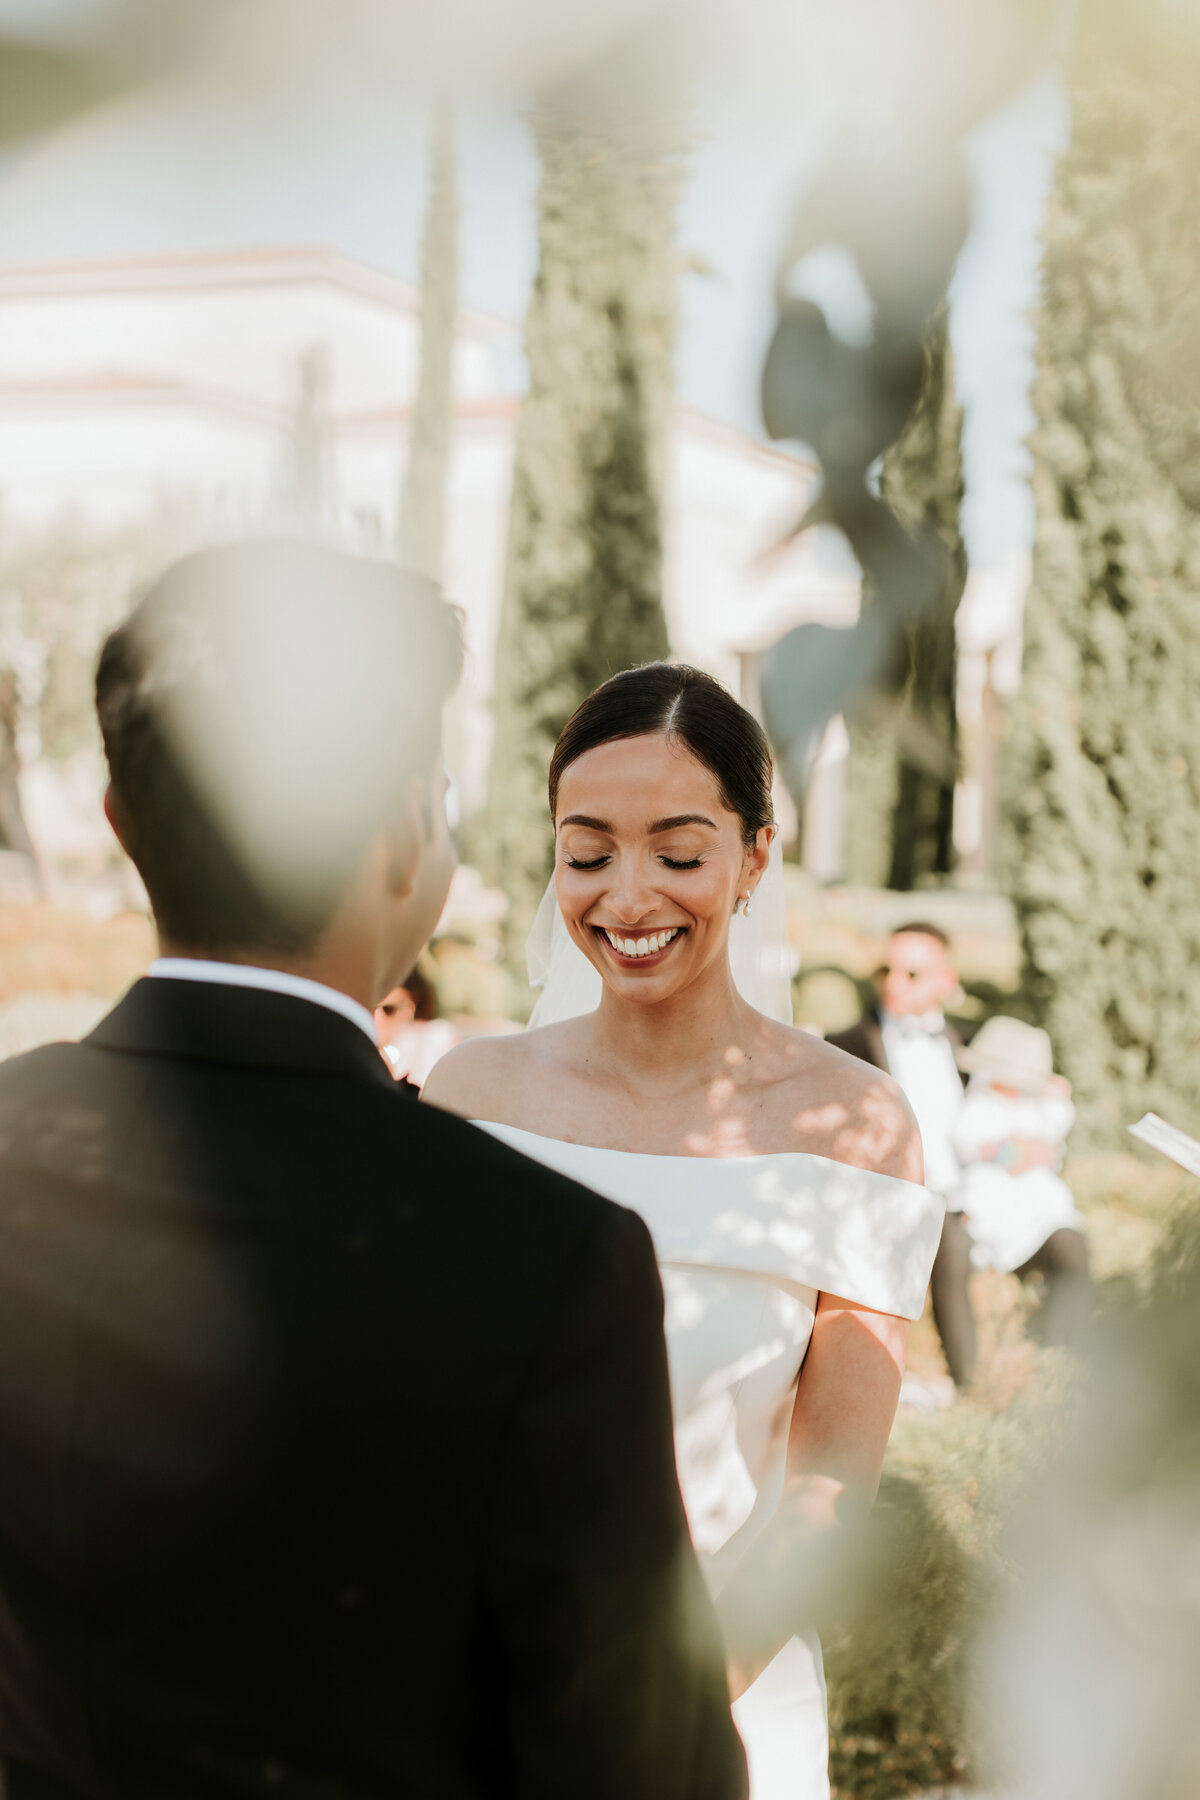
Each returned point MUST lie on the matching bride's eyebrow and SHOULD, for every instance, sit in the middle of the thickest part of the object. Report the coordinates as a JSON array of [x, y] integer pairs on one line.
[[678, 819], [659, 825]]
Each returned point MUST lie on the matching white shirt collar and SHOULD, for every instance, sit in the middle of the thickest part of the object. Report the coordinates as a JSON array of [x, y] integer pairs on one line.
[[271, 981], [931, 1024]]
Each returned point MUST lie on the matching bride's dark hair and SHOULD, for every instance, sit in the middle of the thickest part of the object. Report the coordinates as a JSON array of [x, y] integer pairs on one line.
[[690, 706]]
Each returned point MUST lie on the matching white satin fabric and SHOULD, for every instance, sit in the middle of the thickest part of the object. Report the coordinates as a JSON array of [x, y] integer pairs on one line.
[[745, 1246]]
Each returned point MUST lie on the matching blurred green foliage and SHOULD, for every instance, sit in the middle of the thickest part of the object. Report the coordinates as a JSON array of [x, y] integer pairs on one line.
[[63, 586], [583, 585], [898, 1670], [1104, 802], [899, 1667]]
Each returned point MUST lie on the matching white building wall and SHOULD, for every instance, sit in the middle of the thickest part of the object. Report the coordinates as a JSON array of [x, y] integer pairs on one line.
[[108, 456], [237, 326], [121, 383], [736, 578]]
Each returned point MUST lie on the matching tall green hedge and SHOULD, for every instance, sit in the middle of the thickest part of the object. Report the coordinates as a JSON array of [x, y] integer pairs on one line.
[[1104, 762], [583, 586]]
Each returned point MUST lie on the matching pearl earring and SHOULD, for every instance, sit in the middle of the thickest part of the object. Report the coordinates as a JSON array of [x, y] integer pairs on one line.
[[746, 907]]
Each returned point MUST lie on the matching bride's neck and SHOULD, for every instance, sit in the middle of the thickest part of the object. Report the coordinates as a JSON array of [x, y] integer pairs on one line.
[[694, 1031]]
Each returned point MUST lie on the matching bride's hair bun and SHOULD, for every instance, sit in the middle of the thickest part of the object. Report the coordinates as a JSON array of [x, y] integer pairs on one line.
[[690, 706]]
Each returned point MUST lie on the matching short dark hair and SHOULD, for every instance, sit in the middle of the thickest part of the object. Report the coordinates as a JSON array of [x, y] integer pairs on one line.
[[422, 993], [686, 704], [921, 928], [262, 708]]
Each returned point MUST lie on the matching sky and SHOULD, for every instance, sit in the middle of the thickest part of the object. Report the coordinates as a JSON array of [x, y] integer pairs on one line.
[[188, 164]]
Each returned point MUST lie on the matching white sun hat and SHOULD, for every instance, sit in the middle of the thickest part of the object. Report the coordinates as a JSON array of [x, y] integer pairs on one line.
[[1010, 1051]]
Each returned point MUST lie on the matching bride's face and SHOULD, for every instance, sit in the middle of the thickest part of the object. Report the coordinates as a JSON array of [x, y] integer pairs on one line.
[[649, 864]]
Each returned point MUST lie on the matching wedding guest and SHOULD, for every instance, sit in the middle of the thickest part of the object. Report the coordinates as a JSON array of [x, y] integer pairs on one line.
[[409, 1032], [909, 1035], [335, 1436], [1010, 1136]]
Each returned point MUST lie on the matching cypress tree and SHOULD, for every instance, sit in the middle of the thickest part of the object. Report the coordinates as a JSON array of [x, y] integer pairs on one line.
[[306, 499], [1104, 809], [420, 526], [900, 804], [583, 583]]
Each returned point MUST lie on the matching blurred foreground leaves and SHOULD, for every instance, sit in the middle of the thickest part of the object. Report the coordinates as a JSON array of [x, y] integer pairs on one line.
[[1087, 1690], [932, 1571], [47, 77], [902, 769], [902, 219], [981, 1502]]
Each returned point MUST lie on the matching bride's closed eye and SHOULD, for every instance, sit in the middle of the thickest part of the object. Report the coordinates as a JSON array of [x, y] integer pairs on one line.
[[598, 862]]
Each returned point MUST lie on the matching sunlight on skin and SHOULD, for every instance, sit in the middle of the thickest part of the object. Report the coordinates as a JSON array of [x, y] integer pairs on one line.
[[675, 1063]]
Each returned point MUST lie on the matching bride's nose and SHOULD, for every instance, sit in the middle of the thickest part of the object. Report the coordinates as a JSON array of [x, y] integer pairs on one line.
[[632, 896]]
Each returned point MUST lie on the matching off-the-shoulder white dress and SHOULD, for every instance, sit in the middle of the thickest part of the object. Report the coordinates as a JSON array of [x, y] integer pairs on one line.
[[745, 1246]]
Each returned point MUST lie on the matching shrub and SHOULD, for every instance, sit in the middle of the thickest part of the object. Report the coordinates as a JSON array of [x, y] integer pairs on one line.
[[897, 1668]]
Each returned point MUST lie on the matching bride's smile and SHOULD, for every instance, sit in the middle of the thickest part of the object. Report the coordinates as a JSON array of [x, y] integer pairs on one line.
[[646, 952], [762, 1160], [650, 863]]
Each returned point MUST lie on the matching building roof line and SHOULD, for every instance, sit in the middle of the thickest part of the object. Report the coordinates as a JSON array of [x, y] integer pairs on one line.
[[101, 386], [106, 385], [265, 265], [800, 460], [115, 382]]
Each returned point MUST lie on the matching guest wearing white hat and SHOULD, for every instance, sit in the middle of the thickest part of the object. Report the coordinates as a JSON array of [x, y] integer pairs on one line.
[[1010, 1137]]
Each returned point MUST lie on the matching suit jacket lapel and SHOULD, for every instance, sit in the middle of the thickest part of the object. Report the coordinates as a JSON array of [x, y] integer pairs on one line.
[[873, 1033], [199, 1021]]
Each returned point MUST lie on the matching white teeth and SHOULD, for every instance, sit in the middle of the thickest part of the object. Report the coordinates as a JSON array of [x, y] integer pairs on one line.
[[644, 946]]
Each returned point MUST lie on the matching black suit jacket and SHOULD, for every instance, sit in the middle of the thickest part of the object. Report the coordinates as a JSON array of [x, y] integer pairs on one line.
[[864, 1039], [335, 1439]]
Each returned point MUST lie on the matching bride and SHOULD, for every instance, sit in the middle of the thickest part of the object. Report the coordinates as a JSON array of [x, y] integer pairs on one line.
[[777, 1175]]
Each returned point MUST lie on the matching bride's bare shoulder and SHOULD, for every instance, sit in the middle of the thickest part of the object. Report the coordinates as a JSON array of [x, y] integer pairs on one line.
[[857, 1111], [493, 1077]]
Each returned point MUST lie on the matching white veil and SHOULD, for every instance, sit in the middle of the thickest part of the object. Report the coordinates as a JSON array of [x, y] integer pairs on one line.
[[759, 955]]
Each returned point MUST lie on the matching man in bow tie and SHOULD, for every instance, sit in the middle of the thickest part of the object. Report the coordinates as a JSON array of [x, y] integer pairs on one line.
[[910, 1036]]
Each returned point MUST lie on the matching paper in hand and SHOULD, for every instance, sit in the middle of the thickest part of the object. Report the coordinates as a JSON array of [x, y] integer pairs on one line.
[[1170, 1140]]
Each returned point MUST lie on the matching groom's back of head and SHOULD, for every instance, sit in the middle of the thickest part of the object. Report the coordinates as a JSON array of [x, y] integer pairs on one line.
[[263, 710]]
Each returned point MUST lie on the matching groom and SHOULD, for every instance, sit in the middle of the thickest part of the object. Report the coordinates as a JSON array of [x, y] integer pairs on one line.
[[335, 1441]]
